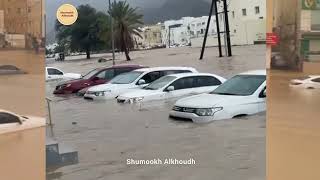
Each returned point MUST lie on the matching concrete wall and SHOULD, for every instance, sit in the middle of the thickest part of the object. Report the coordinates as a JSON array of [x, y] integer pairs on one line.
[[248, 33]]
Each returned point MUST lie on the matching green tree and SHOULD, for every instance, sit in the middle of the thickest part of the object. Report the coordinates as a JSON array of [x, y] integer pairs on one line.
[[126, 23], [88, 33]]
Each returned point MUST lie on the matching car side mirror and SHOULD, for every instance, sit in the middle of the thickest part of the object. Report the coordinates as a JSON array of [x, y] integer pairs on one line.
[[263, 93], [170, 88], [141, 82]]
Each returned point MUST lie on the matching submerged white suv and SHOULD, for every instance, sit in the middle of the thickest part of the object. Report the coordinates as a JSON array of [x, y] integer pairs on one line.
[[243, 94]]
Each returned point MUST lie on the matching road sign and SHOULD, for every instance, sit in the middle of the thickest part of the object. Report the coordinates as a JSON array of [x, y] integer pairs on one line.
[[272, 39]]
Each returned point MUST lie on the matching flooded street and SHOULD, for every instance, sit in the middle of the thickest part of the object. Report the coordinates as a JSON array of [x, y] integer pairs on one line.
[[23, 151], [293, 129], [106, 134], [17, 92]]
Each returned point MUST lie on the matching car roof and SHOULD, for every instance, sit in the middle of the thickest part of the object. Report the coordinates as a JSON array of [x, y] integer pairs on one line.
[[314, 76], [255, 72], [5, 111], [180, 75], [166, 68]]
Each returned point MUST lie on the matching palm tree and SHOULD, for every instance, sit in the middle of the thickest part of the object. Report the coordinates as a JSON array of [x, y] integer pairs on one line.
[[126, 23]]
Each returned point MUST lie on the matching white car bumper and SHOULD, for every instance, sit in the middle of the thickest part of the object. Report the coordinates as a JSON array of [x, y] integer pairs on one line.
[[95, 97], [195, 118]]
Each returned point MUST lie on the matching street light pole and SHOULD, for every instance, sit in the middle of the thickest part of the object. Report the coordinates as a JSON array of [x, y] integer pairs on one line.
[[112, 37]]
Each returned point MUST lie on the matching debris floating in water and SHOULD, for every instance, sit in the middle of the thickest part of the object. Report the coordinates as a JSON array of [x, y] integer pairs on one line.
[[10, 69]]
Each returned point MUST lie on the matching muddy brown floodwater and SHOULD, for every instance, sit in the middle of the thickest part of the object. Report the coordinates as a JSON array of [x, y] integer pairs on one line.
[[23, 93], [22, 153], [293, 126], [106, 134]]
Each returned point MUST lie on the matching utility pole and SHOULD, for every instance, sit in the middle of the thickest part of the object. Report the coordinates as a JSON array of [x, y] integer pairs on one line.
[[206, 34], [218, 27], [226, 20], [112, 37]]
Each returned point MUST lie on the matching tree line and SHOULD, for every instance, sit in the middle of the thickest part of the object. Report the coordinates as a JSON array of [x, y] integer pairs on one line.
[[92, 30]]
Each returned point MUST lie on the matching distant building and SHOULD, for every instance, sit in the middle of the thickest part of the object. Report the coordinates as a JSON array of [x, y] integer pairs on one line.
[[151, 36], [180, 32], [247, 22]]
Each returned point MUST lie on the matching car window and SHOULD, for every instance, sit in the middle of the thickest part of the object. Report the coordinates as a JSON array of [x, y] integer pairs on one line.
[[201, 81], [240, 85], [168, 72], [160, 83], [126, 78], [123, 70], [6, 118], [316, 80], [183, 83], [151, 76], [90, 74], [52, 71]]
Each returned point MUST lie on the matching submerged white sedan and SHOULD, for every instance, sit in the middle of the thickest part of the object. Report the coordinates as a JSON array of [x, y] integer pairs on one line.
[[11, 122], [310, 82], [173, 86], [131, 81], [243, 94]]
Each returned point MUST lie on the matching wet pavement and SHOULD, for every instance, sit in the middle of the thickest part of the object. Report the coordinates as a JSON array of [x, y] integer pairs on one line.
[[106, 134], [292, 128]]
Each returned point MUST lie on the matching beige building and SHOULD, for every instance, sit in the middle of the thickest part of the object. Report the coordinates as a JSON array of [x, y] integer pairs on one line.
[[21, 18], [151, 37]]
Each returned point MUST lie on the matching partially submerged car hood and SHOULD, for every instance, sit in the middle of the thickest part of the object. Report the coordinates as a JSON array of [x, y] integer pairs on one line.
[[105, 87], [208, 100], [138, 93], [73, 81]]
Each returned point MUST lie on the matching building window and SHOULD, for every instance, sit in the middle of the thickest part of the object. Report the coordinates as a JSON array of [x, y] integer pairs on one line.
[[244, 12], [235, 31], [203, 23], [257, 9], [29, 9], [19, 10], [233, 15]]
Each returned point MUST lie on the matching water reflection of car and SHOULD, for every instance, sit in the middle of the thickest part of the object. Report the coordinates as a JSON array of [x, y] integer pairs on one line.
[[243, 94], [173, 86], [131, 81], [10, 70], [309, 82], [53, 73], [94, 77], [11, 122]]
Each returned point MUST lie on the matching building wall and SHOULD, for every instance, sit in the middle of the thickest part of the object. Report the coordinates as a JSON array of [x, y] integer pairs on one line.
[[245, 28], [191, 27], [1, 21]]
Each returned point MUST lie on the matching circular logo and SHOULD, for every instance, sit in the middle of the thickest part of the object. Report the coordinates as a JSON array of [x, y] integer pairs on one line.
[[67, 14], [309, 3]]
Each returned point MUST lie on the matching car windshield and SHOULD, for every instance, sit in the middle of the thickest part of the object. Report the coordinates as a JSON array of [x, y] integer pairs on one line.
[[126, 78], [240, 85], [159, 83], [90, 74]]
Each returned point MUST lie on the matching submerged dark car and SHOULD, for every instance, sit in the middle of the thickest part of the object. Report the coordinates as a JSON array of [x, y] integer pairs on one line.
[[10, 69], [94, 77]]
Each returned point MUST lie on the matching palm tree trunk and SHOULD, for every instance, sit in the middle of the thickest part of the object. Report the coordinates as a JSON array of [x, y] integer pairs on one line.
[[124, 44], [88, 53]]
